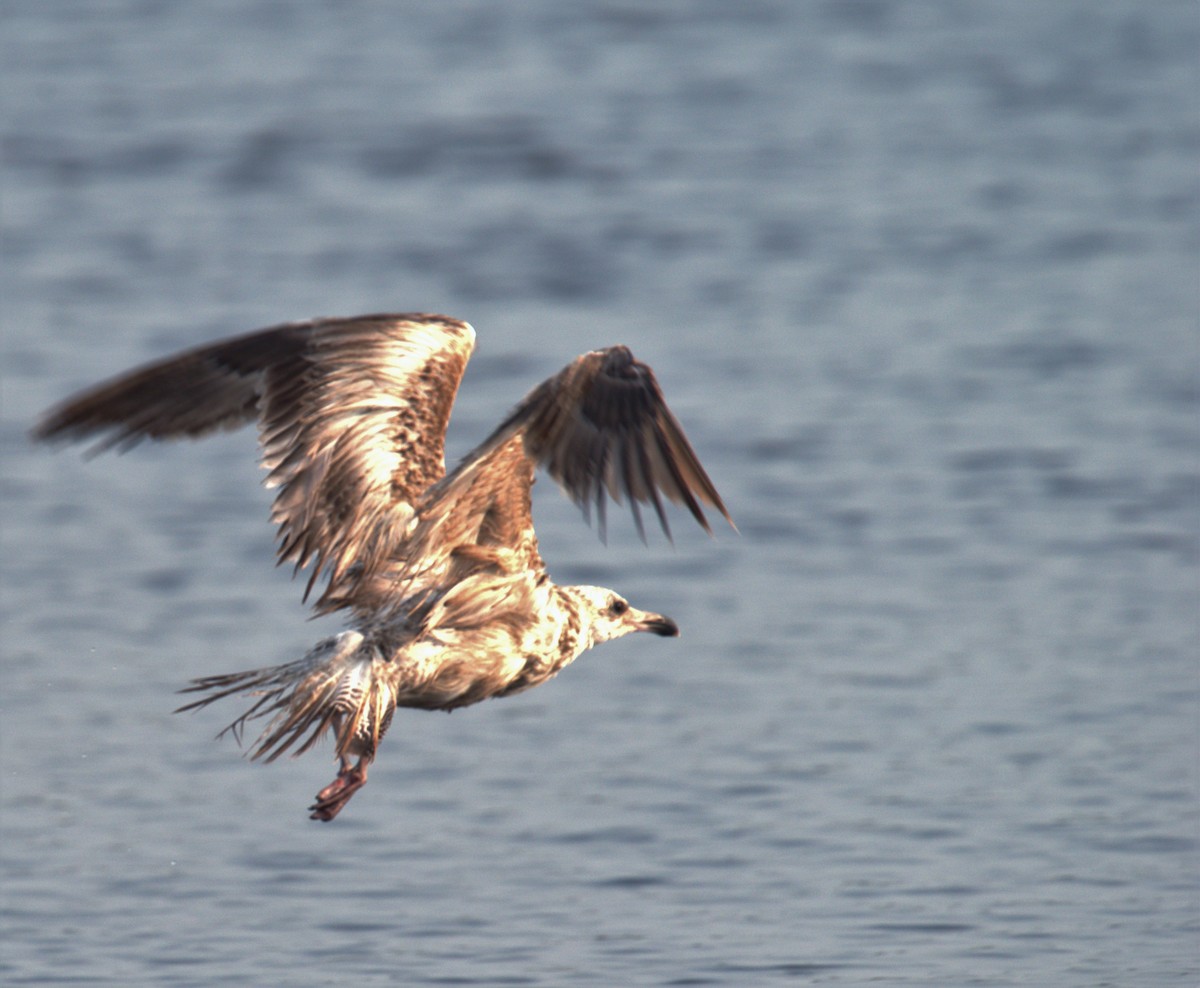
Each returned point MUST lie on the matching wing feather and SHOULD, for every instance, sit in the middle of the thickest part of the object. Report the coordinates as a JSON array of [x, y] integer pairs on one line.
[[352, 418], [599, 426], [354, 445], [193, 393], [477, 520], [602, 424]]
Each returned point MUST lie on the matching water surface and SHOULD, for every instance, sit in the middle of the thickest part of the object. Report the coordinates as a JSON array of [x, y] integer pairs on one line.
[[920, 279]]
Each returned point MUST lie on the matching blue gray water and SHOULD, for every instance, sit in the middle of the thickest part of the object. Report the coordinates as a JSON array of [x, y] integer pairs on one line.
[[920, 278]]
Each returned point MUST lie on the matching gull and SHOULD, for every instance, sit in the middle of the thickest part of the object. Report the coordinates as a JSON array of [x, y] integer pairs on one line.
[[448, 596]]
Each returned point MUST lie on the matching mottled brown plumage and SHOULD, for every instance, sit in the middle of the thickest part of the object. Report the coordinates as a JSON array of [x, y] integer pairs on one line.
[[448, 593]]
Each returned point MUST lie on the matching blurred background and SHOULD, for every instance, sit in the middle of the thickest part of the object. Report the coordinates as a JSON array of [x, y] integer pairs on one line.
[[921, 280]]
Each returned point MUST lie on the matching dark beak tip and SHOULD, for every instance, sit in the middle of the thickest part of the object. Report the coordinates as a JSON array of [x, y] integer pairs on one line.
[[664, 627]]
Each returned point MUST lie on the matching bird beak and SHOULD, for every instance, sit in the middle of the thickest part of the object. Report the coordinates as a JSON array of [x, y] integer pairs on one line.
[[657, 624]]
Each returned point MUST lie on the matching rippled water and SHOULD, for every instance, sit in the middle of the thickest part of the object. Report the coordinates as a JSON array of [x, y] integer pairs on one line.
[[921, 281]]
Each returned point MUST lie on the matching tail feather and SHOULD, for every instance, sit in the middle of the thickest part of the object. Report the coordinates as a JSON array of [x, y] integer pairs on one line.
[[220, 687], [334, 685]]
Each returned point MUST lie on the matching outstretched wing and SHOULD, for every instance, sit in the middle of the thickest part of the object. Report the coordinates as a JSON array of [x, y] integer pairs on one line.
[[599, 425], [352, 419], [193, 393], [602, 424]]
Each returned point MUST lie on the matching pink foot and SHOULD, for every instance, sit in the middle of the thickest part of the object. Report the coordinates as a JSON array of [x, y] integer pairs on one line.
[[334, 796]]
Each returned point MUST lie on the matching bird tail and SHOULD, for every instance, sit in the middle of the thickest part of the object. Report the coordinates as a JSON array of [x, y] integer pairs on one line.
[[337, 684]]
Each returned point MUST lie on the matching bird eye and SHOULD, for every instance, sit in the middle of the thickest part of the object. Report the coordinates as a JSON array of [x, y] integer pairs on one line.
[[618, 607]]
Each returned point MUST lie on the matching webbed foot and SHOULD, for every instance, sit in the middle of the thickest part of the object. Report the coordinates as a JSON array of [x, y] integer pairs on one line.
[[334, 796]]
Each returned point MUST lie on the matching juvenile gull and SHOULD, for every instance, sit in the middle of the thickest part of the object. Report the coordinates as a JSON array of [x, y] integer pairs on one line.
[[449, 598]]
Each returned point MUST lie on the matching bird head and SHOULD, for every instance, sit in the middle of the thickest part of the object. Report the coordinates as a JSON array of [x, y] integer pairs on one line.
[[609, 616]]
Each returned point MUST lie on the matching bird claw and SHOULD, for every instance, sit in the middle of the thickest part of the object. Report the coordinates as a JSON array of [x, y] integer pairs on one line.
[[334, 796]]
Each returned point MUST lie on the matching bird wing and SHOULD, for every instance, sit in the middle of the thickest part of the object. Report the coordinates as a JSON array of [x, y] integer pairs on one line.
[[352, 418], [190, 394], [599, 425], [602, 424]]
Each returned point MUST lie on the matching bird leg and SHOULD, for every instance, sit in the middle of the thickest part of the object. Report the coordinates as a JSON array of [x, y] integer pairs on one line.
[[334, 796]]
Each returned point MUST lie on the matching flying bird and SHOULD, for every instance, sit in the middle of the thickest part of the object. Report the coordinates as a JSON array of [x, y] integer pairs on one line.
[[448, 597]]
